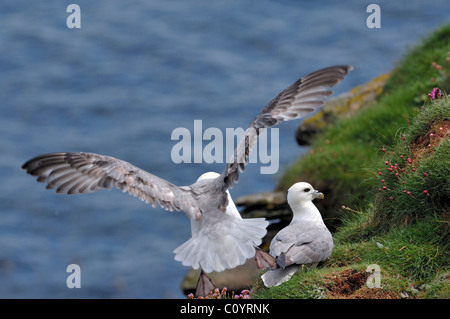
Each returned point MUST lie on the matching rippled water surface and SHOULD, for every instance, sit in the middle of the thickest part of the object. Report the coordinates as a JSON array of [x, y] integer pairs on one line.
[[121, 84]]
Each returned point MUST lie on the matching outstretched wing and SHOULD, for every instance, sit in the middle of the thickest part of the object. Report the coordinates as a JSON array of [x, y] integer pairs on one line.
[[303, 97], [80, 173]]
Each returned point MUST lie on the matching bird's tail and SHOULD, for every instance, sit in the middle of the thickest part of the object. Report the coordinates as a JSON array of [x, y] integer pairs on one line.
[[222, 244], [278, 276]]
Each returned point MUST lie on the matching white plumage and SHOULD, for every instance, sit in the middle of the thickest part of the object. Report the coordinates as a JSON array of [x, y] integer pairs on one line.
[[306, 240], [221, 239], [226, 238]]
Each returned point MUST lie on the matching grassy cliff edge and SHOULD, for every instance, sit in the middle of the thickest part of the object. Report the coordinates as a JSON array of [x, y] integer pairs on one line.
[[387, 171]]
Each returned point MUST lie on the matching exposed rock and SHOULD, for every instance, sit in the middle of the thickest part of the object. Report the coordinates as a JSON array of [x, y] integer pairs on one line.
[[266, 199], [270, 205], [342, 106]]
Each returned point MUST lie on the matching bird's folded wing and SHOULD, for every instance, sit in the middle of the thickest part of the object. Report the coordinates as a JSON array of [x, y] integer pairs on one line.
[[292, 244], [311, 246], [79, 173], [298, 254]]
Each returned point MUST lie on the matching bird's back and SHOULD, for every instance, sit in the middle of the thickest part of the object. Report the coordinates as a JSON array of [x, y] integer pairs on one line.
[[313, 240]]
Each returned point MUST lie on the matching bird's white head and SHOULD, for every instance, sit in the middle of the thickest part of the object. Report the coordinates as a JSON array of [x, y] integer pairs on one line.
[[302, 193], [208, 175]]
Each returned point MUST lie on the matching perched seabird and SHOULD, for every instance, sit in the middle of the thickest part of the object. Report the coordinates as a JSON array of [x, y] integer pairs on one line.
[[305, 241], [221, 239]]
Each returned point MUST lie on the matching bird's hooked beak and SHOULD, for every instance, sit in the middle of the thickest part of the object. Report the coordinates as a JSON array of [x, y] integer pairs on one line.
[[317, 194]]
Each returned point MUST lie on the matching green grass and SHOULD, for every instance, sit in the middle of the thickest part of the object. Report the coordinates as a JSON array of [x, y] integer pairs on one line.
[[309, 284], [404, 228], [345, 155], [417, 170]]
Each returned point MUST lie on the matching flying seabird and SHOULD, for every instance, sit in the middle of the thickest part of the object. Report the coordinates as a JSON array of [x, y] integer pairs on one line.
[[305, 241], [221, 239]]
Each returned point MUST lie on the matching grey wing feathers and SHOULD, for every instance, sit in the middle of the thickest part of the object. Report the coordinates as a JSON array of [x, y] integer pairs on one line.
[[301, 246], [79, 173], [301, 98]]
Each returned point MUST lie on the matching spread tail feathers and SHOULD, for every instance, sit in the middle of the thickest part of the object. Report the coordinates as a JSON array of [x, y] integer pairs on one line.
[[221, 246], [278, 276]]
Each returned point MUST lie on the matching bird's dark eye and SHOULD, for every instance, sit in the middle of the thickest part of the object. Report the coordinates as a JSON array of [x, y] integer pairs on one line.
[[306, 190]]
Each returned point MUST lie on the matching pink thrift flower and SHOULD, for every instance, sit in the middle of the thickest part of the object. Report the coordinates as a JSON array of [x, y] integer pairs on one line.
[[435, 94]]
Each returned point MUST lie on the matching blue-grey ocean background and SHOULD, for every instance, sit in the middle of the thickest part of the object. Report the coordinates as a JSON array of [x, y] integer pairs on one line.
[[120, 85]]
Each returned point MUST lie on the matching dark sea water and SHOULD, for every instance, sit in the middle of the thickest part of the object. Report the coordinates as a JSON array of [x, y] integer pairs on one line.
[[120, 85]]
